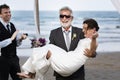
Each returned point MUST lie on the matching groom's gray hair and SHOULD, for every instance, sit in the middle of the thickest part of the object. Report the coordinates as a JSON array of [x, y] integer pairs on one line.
[[66, 8]]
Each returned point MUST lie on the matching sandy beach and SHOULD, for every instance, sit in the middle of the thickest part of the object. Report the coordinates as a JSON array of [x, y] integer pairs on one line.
[[105, 66]]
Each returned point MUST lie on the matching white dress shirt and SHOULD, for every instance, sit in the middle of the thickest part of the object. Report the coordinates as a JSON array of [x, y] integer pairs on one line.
[[70, 32]]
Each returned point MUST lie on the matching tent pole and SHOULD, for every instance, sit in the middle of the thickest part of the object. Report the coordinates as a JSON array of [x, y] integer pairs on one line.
[[36, 16]]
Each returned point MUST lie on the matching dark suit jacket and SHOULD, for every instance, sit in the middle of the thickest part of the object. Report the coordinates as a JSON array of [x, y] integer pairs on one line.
[[9, 50], [57, 38], [8, 59]]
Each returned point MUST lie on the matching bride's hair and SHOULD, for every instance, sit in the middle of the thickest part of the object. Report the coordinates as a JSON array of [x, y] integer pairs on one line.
[[91, 24]]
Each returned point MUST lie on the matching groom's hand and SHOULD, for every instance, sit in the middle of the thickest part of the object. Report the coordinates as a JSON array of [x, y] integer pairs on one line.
[[31, 75], [89, 54]]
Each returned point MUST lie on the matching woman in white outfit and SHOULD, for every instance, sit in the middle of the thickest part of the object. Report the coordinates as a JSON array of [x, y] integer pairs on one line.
[[65, 63]]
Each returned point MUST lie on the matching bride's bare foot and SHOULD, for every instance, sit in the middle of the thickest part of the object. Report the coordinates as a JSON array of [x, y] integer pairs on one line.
[[29, 75], [48, 55], [23, 75]]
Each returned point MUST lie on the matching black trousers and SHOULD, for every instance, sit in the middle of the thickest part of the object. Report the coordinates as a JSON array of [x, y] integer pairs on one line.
[[10, 66], [69, 78], [4, 68], [78, 75]]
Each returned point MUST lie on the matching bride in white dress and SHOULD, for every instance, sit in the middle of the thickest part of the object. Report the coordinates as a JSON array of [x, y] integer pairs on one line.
[[65, 63]]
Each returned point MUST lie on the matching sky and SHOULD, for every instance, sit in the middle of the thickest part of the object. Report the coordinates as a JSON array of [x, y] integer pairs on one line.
[[55, 5]]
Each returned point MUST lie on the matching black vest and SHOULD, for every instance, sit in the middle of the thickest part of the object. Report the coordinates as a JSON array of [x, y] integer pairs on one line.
[[9, 50]]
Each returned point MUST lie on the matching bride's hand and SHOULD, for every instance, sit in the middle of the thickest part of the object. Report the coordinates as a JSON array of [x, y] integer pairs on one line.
[[95, 35]]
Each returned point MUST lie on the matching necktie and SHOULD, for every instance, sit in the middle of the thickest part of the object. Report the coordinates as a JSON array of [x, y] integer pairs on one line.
[[8, 28], [67, 39]]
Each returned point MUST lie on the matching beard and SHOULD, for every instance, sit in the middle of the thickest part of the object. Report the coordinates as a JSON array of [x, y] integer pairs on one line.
[[65, 25]]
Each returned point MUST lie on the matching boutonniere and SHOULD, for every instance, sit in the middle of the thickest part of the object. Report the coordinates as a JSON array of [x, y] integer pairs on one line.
[[74, 36]]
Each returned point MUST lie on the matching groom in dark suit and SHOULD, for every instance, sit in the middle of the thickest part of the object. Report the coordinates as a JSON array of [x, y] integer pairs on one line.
[[59, 38]]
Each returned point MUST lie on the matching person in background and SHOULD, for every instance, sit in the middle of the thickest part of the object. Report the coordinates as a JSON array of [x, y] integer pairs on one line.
[[59, 38], [8, 47]]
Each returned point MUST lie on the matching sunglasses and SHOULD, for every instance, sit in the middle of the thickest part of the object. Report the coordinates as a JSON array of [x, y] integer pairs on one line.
[[66, 16]]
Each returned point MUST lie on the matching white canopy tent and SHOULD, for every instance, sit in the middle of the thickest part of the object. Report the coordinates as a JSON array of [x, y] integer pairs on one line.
[[116, 3]]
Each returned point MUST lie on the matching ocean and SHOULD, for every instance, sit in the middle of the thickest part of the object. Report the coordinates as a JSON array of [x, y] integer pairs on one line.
[[109, 23]]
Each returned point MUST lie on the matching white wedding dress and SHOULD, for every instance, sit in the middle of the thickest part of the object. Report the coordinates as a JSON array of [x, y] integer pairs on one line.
[[64, 63]]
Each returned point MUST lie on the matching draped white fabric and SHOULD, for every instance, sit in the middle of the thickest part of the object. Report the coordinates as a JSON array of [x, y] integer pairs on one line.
[[116, 3], [65, 63]]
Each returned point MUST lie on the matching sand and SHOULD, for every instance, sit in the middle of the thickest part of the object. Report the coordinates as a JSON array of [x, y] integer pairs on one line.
[[105, 66]]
